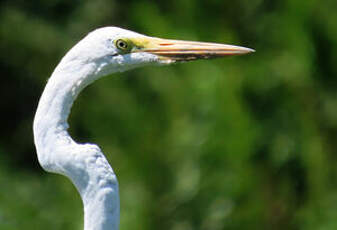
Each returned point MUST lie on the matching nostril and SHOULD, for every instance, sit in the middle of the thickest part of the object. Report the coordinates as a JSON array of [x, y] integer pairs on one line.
[[165, 44]]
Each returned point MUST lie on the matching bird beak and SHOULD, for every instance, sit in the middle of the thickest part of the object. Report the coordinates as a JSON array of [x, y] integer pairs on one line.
[[177, 50]]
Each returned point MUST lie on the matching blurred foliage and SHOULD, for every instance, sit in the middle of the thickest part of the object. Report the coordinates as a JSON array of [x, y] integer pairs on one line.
[[240, 143]]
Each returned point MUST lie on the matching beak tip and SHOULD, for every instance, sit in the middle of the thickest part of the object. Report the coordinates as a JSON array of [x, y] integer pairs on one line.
[[249, 50]]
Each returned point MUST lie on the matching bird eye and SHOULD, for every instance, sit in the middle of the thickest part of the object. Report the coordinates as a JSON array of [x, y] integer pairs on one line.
[[121, 44]]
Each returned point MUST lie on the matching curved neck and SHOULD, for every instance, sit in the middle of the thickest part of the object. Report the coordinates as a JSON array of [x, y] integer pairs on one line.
[[84, 164]]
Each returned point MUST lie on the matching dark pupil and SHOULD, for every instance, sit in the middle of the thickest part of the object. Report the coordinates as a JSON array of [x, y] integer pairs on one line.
[[122, 44]]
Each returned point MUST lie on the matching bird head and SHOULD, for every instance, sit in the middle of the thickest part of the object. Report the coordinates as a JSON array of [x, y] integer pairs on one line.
[[114, 49]]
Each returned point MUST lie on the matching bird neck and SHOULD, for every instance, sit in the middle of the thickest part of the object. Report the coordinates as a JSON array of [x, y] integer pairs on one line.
[[84, 164]]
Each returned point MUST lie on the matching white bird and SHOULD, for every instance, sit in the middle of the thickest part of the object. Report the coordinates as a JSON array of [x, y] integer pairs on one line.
[[101, 52]]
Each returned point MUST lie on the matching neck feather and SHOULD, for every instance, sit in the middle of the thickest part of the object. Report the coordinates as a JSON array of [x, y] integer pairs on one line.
[[84, 164]]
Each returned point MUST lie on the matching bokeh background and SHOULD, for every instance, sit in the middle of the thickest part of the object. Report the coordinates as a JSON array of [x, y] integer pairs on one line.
[[239, 143]]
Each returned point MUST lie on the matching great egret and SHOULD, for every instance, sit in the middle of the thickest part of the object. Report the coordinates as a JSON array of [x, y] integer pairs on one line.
[[101, 52]]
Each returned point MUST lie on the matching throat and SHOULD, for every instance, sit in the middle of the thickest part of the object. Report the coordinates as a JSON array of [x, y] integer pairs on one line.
[[67, 81]]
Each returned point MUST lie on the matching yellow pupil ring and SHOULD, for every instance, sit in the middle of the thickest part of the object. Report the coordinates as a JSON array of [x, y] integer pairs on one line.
[[121, 44]]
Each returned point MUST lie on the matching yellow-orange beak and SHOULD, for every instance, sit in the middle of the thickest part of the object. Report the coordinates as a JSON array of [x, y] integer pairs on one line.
[[177, 50]]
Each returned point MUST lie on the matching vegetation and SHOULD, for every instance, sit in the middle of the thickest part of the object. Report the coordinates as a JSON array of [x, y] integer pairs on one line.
[[240, 143]]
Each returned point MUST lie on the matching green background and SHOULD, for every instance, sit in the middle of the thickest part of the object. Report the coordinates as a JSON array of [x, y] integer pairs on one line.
[[244, 142]]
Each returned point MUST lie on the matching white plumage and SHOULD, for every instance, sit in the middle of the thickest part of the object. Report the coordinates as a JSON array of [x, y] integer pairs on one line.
[[102, 52]]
